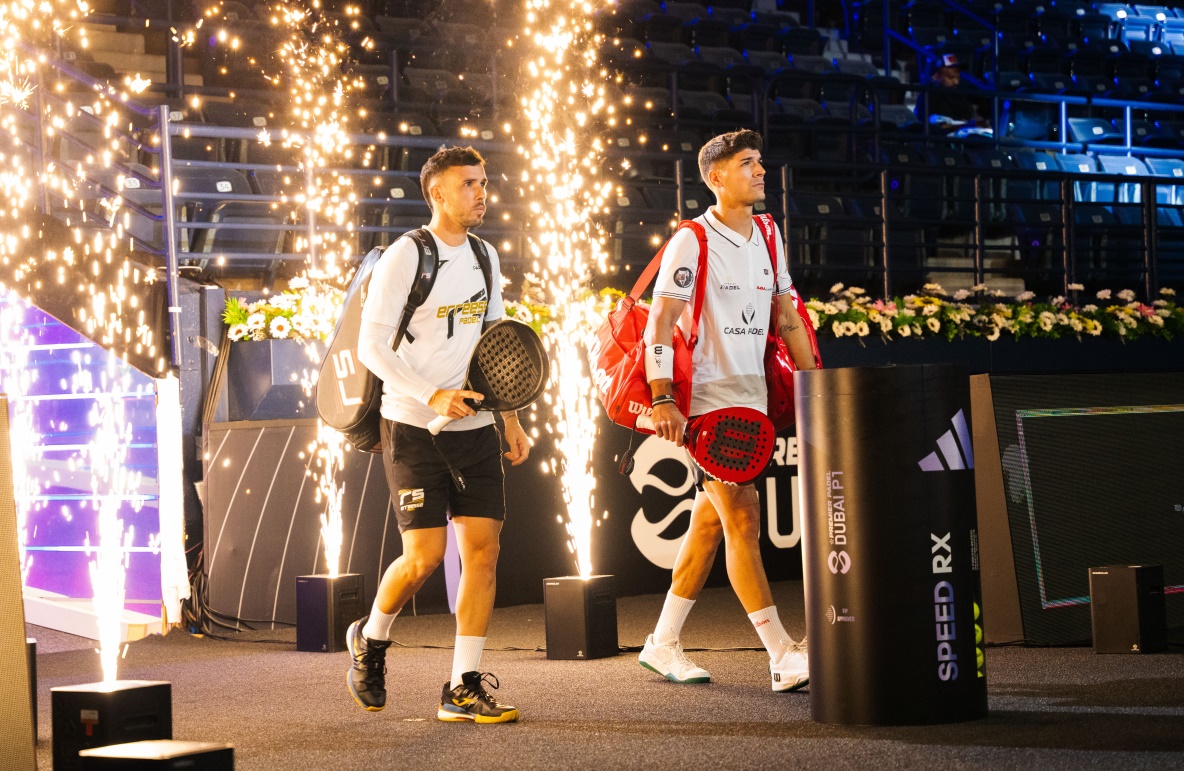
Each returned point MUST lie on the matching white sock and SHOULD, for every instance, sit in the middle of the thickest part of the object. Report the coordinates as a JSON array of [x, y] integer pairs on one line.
[[466, 657], [378, 627], [674, 614], [772, 634]]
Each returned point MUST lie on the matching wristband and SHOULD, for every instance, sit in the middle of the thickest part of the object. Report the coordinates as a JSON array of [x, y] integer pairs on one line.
[[659, 362], [662, 399]]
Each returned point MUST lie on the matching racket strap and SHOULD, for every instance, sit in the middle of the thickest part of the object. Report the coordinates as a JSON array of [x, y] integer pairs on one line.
[[457, 478]]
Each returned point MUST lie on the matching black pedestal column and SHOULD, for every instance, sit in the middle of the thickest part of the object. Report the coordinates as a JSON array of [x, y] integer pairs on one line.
[[890, 545]]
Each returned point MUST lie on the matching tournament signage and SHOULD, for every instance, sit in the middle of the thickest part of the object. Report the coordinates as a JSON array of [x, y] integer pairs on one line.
[[892, 569]]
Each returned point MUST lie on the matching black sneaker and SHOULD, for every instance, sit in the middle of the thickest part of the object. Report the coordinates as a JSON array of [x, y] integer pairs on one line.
[[367, 670], [470, 701]]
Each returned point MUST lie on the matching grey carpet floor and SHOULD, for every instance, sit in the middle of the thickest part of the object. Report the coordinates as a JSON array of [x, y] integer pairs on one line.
[[1050, 708]]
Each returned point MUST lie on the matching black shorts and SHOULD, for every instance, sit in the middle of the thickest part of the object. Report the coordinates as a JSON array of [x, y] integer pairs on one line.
[[697, 473], [422, 488]]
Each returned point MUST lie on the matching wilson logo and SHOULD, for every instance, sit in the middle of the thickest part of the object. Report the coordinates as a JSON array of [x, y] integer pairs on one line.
[[637, 408]]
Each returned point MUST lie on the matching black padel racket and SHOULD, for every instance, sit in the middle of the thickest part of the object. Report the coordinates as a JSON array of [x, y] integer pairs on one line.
[[509, 368]]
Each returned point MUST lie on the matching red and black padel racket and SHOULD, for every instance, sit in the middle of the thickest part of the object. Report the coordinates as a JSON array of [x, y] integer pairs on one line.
[[733, 444]]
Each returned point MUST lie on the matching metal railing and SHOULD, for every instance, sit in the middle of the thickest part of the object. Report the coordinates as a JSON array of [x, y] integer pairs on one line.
[[172, 208]]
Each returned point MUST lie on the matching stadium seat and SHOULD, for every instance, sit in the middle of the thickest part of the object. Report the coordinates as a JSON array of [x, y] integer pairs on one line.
[[1173, 168], [1094, 131], [771, 62], [1123, 193], [1077, 164], [1116, 12]]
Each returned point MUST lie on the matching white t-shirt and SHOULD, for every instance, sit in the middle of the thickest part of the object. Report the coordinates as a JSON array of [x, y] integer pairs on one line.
[[728, 364], [443, 331]]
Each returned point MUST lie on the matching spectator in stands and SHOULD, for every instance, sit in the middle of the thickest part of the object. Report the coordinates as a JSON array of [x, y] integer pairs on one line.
[[949, 109]]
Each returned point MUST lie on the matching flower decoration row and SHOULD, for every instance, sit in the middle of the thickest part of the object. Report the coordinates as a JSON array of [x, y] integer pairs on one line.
[[302, 312], [980, 312]]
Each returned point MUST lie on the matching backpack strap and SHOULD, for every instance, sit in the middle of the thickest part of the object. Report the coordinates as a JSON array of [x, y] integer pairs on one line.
[[764, 223], [482, 251], [651, 271], [421, 287], [769, 231]]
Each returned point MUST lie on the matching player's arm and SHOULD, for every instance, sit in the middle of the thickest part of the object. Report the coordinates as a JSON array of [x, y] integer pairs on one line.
[[673, 289], [390, 283], [668, 422], [792, 330], [514, 434], [789, 325]]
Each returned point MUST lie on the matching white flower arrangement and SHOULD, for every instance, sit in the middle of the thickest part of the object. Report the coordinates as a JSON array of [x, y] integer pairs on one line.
[[848, 312], [301, 312]]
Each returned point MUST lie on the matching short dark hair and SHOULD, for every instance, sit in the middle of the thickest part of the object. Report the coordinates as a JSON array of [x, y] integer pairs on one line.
[[445, 158], [724, 146]]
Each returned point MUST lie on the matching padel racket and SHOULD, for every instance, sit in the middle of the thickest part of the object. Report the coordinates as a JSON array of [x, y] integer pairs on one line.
[[509, 367], [733, 444]]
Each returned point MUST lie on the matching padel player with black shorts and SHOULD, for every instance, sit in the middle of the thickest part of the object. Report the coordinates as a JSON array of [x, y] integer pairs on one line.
[[728, 370], [423, 379]]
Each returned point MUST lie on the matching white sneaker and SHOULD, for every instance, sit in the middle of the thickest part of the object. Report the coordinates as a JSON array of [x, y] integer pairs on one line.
[[793, 670], [671, 663]]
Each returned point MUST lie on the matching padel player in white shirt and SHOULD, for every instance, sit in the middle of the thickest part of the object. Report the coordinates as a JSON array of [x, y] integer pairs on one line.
[[456, 474], [727, 371]]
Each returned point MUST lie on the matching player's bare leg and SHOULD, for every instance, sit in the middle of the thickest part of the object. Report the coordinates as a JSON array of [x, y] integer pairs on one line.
[[369, 638], [662, 652], [740, 513], [464, 698]]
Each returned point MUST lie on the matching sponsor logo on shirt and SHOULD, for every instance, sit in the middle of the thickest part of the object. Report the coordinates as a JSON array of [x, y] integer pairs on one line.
[[466, 309], [683, 277], [746, 316], [471, 312]]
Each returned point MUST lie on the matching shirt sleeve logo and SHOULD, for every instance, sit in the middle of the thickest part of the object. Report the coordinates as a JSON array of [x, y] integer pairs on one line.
[[683, 277]]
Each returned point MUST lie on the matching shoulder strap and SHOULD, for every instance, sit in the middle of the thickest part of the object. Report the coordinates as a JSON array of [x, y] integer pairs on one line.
[[651, 271], [486, 264], [765, 223], [425, 278]]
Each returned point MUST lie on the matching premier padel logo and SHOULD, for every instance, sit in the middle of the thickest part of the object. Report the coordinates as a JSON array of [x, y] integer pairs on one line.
[[954, 447], [410, 500], [839, 562]]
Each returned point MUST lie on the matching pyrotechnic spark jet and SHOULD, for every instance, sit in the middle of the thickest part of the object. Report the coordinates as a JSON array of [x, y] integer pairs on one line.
[[112, 483], [38, 114], [309, 66], [564, 101]]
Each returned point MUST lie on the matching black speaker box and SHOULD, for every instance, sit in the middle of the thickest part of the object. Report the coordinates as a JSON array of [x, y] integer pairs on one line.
[[99, 714], [159, 756], [325, 607], [581, 617], [1127, 608]]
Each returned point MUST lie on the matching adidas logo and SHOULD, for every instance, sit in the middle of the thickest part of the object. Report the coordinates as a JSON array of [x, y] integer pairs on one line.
[[956, 452]]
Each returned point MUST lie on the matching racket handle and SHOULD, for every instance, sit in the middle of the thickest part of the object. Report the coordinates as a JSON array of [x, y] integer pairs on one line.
[[438, 423], [644, 421]]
